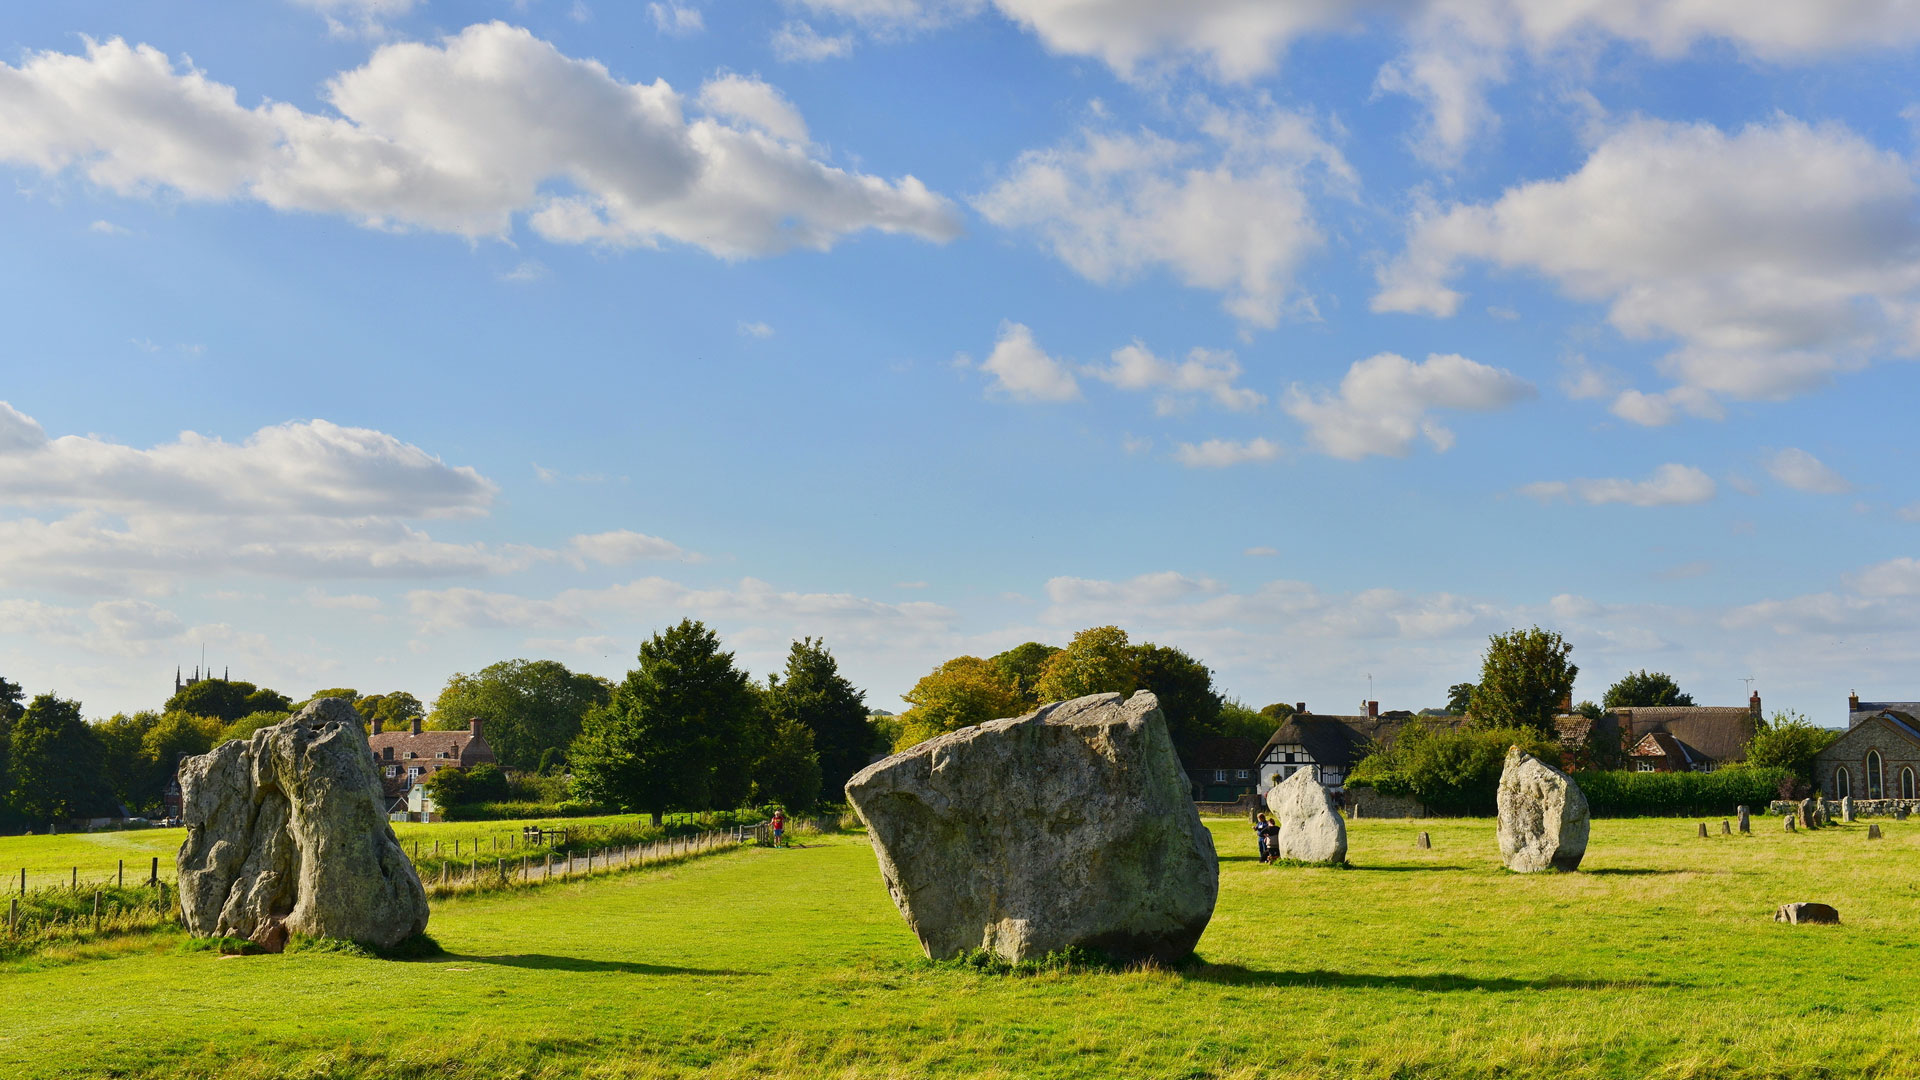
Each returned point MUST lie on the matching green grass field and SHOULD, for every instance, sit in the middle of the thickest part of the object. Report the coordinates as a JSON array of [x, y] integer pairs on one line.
[[1658, 959]]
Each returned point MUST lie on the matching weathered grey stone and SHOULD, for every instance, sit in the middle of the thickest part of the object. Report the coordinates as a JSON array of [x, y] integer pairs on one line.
[[1070, 826], [1809, 811], [1543, 816], [1703, 830], [1746, 826], [1790, 819], [287, 833], [1426, 842], [1817, 914], [1726, 828], [1873, 832], [1310, 827], [1846, 808]]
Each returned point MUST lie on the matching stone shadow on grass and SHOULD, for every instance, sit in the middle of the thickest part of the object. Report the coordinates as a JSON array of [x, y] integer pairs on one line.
[[1630, 871], [1238, 975], [543, 962]]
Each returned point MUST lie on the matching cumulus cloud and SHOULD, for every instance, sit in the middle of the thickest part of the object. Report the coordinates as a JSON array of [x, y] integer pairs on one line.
[[460, 137], [754, 104], [1229, 214], [1023, 371], [798, 42], [1670, 485], [623, 546], [362, 18], [1384, 403], [1773, 256], [1205, 372], [1802, 471], [1221, 453], [677, 20]]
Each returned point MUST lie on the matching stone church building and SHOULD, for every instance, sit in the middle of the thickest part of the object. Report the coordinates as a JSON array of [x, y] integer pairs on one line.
[[1878, 757]]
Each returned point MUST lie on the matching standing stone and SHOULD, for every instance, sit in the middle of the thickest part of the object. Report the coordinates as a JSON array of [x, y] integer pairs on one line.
[[1426, 842], [1745, 825], [1703, 830], [1873, 832], [1815, 914], [1789, 821], [1900, 812], [1846, 809], [287, 833], [1543, 816], [1070, 826], [1726, 828], [1310, 827], [1809, 811]]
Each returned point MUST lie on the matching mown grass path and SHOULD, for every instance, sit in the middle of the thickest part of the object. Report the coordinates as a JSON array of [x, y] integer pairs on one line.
[[1658, 959]]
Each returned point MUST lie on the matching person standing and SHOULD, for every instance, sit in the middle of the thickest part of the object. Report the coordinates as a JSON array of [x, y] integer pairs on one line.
[[779, 824]]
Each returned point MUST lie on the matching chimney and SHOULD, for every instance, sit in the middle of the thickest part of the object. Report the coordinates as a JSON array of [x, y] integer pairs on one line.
[[1373, 709], [1566, 703], [1853, 701], [473, 726], [416, 725], [378, 724], [1753, 705], [1300, 707]]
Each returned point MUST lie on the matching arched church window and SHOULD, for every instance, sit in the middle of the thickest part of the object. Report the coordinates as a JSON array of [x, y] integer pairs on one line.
[[1906, 783], [1876, 778], [1842, 783]]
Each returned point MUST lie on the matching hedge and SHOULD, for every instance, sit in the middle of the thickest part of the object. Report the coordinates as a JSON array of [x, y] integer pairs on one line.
[[1680, 794]]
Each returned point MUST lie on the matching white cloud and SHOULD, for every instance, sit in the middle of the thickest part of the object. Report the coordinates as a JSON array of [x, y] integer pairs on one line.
[[456, 137], [1582, 380], [526, 270], [325, 601], [1261, 552], [1909, 512], [1222, 453], [1895, 577], [1659, 410], [623, 546], [1205, 372], [677, 20], [362, 18], [1023, 371], [1802, 471], [1383, 403], [1670, 485], [755, 330], [106, 228], [798, 42], [1773, 256], [1230, 215], [754, 104]]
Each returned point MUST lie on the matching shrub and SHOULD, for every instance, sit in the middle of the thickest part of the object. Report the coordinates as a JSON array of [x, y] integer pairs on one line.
[[1790, 741], [1450, 770], [1680, 794]]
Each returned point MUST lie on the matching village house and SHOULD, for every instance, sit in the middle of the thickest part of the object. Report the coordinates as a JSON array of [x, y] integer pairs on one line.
[[1221, 769], [1878, 757], [408, 757], [1330, 745], [1686, 738]]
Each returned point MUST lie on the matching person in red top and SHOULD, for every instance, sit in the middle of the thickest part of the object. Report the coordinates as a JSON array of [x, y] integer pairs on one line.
[[779, 824]]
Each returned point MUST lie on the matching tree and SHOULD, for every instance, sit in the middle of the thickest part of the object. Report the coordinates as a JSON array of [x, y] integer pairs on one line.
[[1185, 689], [55, 767], [1021, 667], [10, 711], [351, 695], [1451, 770], [1790, 741], [227, 700], [1240, 722], [788, 773], [1638, 689], [459, 787], [124, 769], [962, 692], [1278, 712], [529, 706], [816, 696], [1099, 660], [678, 732], [395, 711], [1524, 680], [1460, 698], [244, 727]]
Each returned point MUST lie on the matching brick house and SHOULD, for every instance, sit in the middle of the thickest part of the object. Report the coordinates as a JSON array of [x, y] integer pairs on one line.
[[1221, 769], [408, 757], [1687, 738], [1878, 757], [1331, 745]]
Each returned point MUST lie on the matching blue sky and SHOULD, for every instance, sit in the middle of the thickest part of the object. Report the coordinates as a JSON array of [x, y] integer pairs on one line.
[[367, 341]]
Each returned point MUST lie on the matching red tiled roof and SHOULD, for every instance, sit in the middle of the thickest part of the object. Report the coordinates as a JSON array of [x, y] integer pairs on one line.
[[458, 747]]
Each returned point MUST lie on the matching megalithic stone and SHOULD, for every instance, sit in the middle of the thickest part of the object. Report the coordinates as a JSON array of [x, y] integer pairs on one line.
[[1543, 816]]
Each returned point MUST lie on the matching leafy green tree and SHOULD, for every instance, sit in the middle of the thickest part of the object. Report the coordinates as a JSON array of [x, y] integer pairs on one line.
[[1278, 712], [1452, 770], [549, 761], [1524, 678], [1639, 689], [460, 787], [1460, 698], [1099, 660], [244, 727], [816, 696], [347, 692], [55, 767], [1240, 722], [1021, 667], [679, 731], [962, 692], [529, 706], [1185, 689], [227, 700], [789, 772], [396, 710], [1790, 741], [11, 709], [124, 767]]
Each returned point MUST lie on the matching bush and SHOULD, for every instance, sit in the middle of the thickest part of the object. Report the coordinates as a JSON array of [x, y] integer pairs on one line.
[[1450, 770], [510, 810], [1680, 794]]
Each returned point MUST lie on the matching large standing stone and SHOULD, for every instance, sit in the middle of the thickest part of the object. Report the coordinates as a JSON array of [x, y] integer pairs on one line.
[[1070, 826], [1543, 816], [1310, 827], [287, 833], [1846, 808], [1809, 812], [1745, 824]]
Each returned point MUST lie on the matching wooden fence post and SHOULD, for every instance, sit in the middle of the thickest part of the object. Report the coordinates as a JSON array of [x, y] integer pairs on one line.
[[75, 883], [13, 916], [96, 911], [154, 878], [23, 881], [123, 873]]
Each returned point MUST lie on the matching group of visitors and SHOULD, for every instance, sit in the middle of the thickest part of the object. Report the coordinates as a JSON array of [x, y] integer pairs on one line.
[[1267, 831]]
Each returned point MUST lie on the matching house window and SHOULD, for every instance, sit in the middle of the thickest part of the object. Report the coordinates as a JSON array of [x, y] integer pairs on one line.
[[413, 772], [1240, 774], [1219, 776], [1876, 780], [1646, 766], [393, 770], [1906, 783], [1842, 783]]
